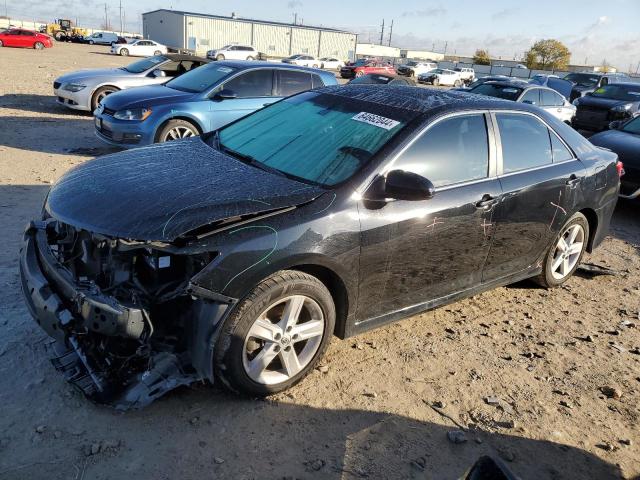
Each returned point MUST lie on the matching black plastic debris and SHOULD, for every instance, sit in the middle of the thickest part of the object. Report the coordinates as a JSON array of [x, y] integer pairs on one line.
[[592, 270]]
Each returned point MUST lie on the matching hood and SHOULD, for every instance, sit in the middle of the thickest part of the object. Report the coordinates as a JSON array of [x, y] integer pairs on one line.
[[600, 102], [93, 73], [145, 97], [626, 145], [160, 192]]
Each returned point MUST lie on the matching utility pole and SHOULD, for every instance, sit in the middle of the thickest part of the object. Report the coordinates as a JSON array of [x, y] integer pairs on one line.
[[638, 68], [6, 11], [382, 32], [390, 32], [295, 18], [106, 18], [445, 47], [120, 7]]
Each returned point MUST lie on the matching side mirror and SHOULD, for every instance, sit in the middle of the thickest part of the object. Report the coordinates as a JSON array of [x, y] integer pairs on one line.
[[615, 125], [402, 185], [159, 73], [225, 94]]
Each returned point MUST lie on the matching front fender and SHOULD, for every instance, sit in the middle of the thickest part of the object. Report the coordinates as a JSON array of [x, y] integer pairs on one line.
[[170, 112]]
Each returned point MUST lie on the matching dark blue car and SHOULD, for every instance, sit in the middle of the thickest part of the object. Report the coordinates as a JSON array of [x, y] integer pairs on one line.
[[200, 101]]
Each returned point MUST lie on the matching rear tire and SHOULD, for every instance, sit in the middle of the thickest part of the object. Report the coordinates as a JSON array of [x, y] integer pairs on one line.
[[359, 74], [573, 237], [38, 46], [99, 94], [436, 82], [91, 42], [268, 303], [157, 52], [249, 58], [457, 83], [219, 57], [124, 52], [177, 129], [1, 44]]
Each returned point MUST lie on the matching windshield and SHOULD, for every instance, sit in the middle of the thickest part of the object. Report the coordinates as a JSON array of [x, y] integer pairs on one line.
[[201, 79], [633, 126], [583, 79], [619, 92], [370, 79], [145, 64], [412, 64], [498, 91], [317, 138]]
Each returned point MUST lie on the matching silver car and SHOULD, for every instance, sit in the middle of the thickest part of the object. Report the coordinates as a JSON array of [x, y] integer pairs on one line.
[[83, 90]]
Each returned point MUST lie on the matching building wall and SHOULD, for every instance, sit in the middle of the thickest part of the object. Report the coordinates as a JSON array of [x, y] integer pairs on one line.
[[374, 50], [421, 55], [164, 27], [272, 40], [338, 45]]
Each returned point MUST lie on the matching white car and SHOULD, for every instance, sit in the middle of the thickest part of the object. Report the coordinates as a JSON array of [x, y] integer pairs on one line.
[[414, 69], [302, 60], [331, 63], [441, 76], [139, 48], [234, 52], [468, 75]]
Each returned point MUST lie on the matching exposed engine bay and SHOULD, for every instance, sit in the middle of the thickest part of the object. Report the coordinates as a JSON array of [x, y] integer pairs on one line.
[[125, 323]]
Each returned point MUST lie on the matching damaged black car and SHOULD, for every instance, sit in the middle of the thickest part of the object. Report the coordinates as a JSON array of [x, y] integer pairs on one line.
[[236, 256]]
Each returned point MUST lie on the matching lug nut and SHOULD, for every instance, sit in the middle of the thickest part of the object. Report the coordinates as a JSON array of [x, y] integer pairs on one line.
[[277, 348], [289, 329], [277, 336]]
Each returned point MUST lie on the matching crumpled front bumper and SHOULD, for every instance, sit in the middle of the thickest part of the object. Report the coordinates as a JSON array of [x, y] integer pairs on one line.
[[68, 311], [56, 301]]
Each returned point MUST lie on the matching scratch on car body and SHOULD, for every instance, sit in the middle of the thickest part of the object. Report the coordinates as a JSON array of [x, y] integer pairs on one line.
[[558, 207], [275, 245]]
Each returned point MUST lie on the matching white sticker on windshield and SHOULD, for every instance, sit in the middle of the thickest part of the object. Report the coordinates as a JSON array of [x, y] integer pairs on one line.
[[225, 69], [510, 90], [635, 94], [375, 120]]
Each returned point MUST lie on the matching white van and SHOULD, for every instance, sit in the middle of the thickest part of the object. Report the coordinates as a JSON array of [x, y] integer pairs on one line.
[[101, 38]]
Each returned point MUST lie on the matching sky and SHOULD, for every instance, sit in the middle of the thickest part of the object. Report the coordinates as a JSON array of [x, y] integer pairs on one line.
[[594, 30]]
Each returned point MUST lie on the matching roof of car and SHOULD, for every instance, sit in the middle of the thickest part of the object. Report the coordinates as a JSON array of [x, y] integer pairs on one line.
[[179, 57], [243, 64], [515, 84], [422, 100]]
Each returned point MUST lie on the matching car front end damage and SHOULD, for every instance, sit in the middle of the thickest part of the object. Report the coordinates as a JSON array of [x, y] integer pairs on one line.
[[128, 322]]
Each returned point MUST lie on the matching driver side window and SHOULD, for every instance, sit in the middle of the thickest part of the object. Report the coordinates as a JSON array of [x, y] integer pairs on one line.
[[454, 150]]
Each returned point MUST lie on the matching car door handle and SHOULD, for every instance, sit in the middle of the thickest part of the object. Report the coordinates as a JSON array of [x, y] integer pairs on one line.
[[486, 202], [573, 181]]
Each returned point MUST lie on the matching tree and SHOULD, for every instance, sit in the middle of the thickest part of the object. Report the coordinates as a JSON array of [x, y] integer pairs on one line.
[[547, 55], [481, 57]]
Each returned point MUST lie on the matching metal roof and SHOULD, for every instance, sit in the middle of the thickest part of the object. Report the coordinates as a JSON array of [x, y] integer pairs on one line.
[[247, 20]]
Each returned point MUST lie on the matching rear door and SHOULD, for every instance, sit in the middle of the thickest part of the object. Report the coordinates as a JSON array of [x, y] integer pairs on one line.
[[254, 90], [11, 38], [540, 179], [416, 251]]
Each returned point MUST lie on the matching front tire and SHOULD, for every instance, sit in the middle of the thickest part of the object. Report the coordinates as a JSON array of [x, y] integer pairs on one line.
[[565, 253], [124, 52], [38, 46], [157, 52], [249, 58], [91, 42], [99, 94], [457, 83], [219, 57], [359, 74], [177, 130], [276, 335], [436, 82], [1, 44]]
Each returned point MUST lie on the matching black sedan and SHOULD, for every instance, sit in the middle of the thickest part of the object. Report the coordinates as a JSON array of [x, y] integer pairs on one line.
[[383, 79], [616, 101], [238, 255], [624, 139]]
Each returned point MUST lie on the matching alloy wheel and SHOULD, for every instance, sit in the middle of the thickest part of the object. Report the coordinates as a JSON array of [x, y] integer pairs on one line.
[[283, 340], [178, 132], [567, 251], [38, 46], [102, 94]]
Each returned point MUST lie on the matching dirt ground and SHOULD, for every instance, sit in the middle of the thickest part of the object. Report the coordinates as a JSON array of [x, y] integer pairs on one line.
[[519, 369]]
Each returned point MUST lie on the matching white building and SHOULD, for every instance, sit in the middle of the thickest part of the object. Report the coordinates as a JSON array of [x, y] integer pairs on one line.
[[365, 50], [421, 55], [200, 32]]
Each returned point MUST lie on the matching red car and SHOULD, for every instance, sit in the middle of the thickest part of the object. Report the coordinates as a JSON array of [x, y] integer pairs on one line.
[[17, 37], [364, 67]]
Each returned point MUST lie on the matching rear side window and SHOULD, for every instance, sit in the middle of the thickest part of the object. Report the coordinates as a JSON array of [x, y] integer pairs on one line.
[[559, 151], [256, 83], [525, 142], [454, 150], [531, 96], [316, 81], [550, 99], [290, 82]]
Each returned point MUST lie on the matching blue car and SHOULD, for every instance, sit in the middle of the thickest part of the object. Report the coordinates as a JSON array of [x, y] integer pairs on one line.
[[199, 101]]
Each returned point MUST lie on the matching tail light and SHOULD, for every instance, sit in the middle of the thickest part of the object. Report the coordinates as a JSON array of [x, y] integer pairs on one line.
[[620, 168]]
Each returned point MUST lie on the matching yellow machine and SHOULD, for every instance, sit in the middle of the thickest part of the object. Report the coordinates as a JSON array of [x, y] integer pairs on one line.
[[63, 30]]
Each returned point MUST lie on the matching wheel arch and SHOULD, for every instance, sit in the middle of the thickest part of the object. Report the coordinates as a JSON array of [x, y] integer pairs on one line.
[[187, 118], [592, 219]]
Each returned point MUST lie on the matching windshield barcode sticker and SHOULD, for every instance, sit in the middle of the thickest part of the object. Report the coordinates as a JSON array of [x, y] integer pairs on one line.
[[375, 120]]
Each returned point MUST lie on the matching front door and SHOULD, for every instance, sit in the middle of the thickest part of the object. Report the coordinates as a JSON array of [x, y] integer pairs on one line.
[[540, 178], [416, 251]]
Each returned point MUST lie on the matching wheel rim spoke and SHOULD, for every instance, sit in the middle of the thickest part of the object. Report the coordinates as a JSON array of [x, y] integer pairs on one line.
[[562, 245], [260, 363], [290, 361], [292, 312], [575, 248], [556, 263], [264, 330], [307, 330]]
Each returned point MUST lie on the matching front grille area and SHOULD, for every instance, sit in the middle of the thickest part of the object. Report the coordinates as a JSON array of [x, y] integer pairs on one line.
[[105, 132], [56, 85], [108, 111], [592, 114]]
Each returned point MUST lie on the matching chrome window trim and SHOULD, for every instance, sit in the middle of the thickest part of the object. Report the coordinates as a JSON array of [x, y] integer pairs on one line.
[[500, 171], [492, 147]]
